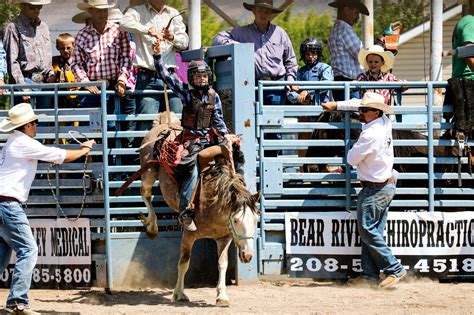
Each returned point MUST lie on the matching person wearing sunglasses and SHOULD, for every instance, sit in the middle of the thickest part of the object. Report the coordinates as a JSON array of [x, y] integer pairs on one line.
[[372, 155], [18, 163], [28, 46]]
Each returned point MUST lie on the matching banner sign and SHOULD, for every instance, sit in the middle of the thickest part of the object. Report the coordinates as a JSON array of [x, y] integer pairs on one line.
[[328, 245], [64, 255]]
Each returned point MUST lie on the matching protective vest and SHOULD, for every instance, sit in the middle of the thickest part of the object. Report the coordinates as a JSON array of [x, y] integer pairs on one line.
[[198, 115]]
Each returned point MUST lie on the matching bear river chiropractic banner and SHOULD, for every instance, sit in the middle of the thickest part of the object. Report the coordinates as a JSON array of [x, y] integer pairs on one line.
[[326, 245], [64, 255]]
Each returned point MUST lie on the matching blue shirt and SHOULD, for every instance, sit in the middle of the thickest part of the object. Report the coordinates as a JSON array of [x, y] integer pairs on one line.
[[274, 54], [319, 72], [3, 62], [185, 94]]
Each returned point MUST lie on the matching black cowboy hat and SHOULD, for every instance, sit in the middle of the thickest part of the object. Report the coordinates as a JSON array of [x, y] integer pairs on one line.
[[267, 4], [350, 3]]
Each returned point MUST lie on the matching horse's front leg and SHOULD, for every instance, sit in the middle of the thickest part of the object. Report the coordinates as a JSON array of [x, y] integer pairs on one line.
[[187, 242], [147, 180], [222, 263]]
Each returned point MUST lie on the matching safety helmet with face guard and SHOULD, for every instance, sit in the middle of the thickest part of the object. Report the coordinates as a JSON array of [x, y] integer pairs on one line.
[[312, 45], [199, 66]]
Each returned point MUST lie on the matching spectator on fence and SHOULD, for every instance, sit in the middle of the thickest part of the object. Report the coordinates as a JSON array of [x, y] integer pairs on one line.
[[378, 63], [202, 121], [28, 46], [18, 164], [102, 53], [3, 67], [344, 44], [155, 20], [275, 58], [372, 154]]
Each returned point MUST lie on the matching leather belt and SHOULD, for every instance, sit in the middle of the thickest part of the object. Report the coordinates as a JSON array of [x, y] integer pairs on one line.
[[375, 184], [278, 78], [6, 198]]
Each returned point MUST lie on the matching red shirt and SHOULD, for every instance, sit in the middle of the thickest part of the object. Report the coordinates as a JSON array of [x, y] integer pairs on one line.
[[383, 76]]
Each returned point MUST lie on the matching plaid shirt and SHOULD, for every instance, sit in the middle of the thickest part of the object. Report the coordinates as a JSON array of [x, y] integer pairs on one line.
[[382, 77], [186, 95], [103, 56], [344, 46]]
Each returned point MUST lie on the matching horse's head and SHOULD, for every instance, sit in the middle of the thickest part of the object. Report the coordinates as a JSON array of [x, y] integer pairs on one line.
[[242, 223]]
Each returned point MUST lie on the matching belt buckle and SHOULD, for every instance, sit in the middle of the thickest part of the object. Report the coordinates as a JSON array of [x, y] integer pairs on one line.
[[37, 77]]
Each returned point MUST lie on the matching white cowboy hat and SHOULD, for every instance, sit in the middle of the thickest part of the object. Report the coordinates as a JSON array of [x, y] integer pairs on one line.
[[32, 2], [115, 15], [267, 4], [18, 116], [377, 101], [81, 18], [98, 4], [387, 56]]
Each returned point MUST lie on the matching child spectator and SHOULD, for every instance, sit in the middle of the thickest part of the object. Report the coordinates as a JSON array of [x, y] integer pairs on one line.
[[378, 62], [62, 67], [313, 70]]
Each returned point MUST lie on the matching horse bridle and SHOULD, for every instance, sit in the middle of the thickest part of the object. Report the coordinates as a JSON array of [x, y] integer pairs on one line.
[[231, 226]]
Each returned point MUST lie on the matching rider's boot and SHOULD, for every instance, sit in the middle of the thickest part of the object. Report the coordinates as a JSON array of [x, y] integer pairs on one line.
[[186, 218]]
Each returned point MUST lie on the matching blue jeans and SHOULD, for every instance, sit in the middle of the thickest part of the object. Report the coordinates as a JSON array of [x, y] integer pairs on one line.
[[339, 95], [15, 235], [37, 102], [372, 209], [152, 104], [94, 100], [187, 173]]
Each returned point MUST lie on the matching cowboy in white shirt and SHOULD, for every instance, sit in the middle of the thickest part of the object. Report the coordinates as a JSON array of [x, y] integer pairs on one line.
[[18, 163], [372, 155]]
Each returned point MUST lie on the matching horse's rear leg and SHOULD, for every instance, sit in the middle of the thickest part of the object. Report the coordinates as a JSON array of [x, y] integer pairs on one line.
[[222, 263], [183, 266], [148, 179]]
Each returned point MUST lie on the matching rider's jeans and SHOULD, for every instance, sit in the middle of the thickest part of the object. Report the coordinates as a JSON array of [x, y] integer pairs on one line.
[[372, 209], [15, 235]]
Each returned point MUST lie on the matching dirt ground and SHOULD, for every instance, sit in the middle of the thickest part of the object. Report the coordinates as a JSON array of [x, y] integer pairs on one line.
[[271, 297]]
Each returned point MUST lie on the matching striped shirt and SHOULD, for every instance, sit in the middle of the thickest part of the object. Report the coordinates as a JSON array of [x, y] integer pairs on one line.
[[186, 95], [102, 56], [382, 77], [344, 46]]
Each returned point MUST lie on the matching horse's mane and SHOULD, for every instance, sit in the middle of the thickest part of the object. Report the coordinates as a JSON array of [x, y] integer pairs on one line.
[[229, 187]]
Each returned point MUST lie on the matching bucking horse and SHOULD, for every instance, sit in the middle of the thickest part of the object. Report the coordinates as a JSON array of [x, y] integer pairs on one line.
[[225, 209]]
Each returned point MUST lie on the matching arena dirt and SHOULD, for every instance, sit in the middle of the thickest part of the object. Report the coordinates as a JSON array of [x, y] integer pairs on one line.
[[270, 297]]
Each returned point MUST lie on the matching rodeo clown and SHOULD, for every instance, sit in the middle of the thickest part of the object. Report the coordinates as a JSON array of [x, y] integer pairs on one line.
[[203, 126], [311, 50]]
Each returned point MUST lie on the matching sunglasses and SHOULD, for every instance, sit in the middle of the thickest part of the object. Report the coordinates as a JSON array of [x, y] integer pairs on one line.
[[366, 109], [34, 7]]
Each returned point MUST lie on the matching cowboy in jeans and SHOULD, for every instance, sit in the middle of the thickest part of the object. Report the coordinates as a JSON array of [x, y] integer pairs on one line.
[[372, 154], [18, 163]]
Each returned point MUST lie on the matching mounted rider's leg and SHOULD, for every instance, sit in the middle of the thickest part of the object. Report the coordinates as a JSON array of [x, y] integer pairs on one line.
[[187, 190]]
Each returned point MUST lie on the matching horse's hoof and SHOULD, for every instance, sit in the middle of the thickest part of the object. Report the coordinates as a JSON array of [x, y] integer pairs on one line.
[[222, 302], [142, 218], [151, 235], [180, 298]]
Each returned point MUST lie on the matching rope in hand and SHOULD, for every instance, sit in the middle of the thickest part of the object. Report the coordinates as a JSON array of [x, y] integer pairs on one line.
[[85, 177]]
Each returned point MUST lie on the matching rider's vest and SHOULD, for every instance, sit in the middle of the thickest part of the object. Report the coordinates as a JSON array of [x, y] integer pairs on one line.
[[198, 115]]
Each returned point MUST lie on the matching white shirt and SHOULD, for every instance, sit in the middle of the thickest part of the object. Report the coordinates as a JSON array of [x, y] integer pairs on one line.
[[18, 163], [139, 19], [372, 154]]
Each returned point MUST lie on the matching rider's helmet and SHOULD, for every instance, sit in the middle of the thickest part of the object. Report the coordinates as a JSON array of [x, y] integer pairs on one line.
[[313, 45], [199, 66]]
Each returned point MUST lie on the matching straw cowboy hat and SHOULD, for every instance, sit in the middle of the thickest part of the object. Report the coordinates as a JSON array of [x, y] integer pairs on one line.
[[350, 3], [377, 101], [267, 4], [98, 4], [18, 116], [115, 15], [387, 56], [32, 2], [81, 17]]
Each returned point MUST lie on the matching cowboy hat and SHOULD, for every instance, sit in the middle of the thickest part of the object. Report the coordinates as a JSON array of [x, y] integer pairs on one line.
[[377, 101], [387, 56], [33, 2], [352, 4], [115, 15], [267, 4], [81, 17], [98, 4], [18, 116]]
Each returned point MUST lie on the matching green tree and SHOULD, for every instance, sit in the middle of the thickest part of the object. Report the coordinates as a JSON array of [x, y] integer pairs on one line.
[[409, 12], [7, 12]]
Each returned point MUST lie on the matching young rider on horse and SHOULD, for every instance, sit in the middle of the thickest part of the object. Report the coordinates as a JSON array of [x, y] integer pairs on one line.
[[203, 125]]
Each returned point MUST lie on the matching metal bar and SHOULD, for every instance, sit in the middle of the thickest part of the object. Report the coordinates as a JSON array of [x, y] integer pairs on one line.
[[368, 25], [261, 153], [221, 13], [431, 191], [347, 140], [436, 40], [194, 24]]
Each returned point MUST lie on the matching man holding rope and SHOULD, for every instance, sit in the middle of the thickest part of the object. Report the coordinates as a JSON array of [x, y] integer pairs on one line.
[[18, 164]]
